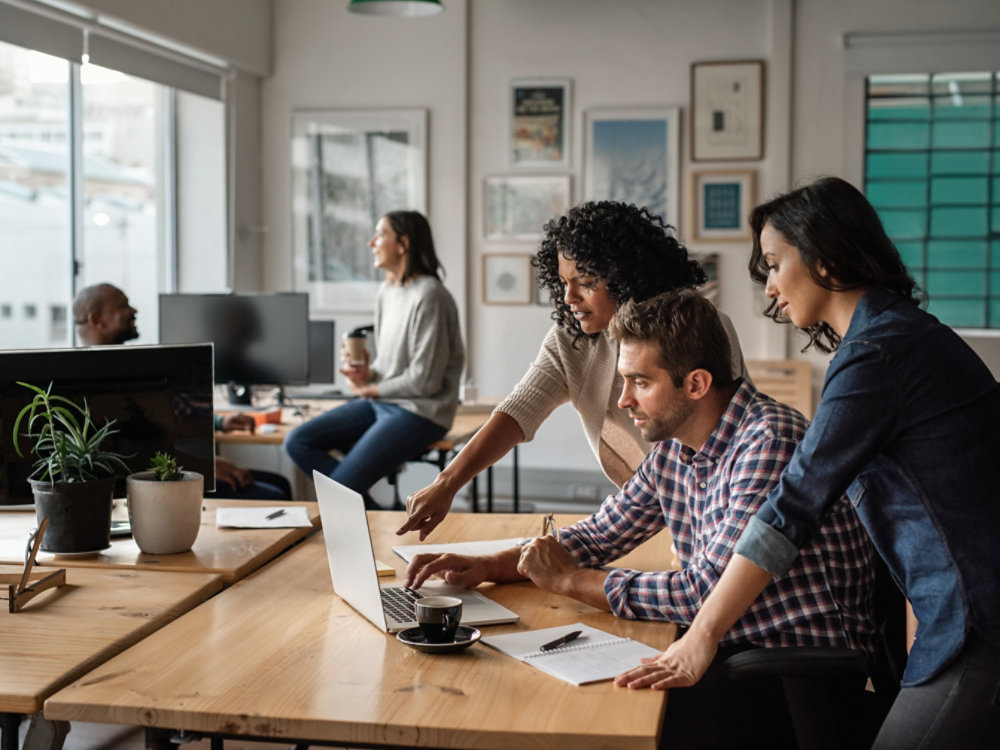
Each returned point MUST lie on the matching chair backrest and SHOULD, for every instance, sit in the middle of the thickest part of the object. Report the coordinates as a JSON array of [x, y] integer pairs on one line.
[[786, 380]]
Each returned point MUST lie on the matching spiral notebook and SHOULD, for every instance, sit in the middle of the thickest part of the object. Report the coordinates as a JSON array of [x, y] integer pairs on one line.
[[593, 657]]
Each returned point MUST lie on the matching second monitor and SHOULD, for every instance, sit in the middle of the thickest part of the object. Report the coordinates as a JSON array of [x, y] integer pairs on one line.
[[260, 339]]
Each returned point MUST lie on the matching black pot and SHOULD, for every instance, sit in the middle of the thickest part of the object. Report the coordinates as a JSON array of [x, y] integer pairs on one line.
[[79, 515]]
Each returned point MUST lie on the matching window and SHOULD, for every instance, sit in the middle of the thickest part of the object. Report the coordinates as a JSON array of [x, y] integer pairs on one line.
[[932, 171], [123, 168], [89, 166]]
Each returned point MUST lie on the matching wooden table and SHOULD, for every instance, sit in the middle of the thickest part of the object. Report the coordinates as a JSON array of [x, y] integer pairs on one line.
[[468, 421], [279, 656], [62, 634], [232, 553]]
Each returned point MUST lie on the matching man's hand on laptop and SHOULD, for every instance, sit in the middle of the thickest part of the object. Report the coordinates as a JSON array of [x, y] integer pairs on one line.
[[464, 570]]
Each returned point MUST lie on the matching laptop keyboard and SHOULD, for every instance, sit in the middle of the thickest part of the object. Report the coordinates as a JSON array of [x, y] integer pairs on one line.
[[397, 602]]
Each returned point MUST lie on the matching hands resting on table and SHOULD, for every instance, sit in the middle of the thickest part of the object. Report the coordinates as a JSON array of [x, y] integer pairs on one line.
[[548, 564]]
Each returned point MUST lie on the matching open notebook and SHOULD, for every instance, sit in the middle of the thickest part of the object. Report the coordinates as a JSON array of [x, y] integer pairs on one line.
[[595, 656]]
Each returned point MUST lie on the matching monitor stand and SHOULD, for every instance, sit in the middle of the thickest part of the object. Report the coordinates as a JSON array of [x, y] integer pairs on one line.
[[239, 394]]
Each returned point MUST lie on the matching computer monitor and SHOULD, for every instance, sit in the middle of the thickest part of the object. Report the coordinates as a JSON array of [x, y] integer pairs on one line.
[[159, 396], [260, 339], [323, 351]]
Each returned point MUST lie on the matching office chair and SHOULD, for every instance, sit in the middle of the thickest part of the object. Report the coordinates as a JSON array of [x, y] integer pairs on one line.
[[822, 686]]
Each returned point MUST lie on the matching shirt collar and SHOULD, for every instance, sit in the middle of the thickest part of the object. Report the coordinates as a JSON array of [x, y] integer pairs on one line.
[[871, 304], [722, 436]]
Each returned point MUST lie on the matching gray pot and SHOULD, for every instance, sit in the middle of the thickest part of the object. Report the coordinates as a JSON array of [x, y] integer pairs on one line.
[[79, 515], [165, 516]]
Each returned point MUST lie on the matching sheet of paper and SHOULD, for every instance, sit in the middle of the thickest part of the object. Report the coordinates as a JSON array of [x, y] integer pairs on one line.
[[262, 517], [486, 547], [593, 657]]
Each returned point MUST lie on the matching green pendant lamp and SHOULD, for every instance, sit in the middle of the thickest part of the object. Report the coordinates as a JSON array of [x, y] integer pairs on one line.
[[398, 8]]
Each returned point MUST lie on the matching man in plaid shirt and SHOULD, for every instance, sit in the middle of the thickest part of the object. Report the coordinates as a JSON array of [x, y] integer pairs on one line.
[[722, 447]]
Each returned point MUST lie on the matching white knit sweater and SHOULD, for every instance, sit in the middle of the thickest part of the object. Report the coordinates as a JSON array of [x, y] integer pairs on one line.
[[587, 376]]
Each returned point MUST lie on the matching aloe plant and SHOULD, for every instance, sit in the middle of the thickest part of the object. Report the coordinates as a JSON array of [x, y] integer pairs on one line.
[[165, 468], [67, 440]]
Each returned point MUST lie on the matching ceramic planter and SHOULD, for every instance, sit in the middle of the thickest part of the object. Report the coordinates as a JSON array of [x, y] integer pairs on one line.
[[165, 516], [79, 515]]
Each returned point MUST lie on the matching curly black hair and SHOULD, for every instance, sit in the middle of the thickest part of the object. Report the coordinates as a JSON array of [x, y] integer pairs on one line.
[[634, 252]]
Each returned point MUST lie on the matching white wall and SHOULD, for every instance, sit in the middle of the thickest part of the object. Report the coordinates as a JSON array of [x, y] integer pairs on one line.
[[459, 64]]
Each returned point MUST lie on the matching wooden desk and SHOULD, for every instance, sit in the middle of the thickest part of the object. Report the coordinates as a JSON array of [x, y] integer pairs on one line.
[[232, 553], [468, 421], [61, 635], [279, 656]]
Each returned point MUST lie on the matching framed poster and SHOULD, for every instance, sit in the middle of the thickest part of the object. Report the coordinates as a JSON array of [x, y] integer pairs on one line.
[[517, 207], [727, 110], [721, 205], [506, 279], [539, 123], [633, 155], [349, 167]]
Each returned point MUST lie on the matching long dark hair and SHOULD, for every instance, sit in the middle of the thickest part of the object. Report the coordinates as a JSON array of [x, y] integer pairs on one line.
[[631, 250], [834, 227], [421, 258]]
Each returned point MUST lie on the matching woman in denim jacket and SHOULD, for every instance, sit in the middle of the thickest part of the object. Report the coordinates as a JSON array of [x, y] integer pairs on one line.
[[909, 426]]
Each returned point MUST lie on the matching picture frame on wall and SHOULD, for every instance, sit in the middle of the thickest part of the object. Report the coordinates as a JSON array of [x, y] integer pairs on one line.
[[349, 168], [633, 155], [727, 110], [540, 112], [506, 278], [721, 204], [516, 207]]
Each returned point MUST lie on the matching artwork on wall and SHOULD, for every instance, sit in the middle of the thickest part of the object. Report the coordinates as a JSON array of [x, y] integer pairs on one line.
[[721, 205], [727, 110], [506, 279], [517, 207], [349, 167], [632, 155], [539, 123]]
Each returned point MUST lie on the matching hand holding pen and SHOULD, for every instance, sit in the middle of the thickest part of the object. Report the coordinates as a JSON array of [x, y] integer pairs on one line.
[[543, 559]]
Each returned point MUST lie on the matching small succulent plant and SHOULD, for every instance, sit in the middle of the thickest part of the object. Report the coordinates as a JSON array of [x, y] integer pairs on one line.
[[165, 468]]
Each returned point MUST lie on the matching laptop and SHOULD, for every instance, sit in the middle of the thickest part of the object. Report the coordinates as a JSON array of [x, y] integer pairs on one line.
[[355, 580]]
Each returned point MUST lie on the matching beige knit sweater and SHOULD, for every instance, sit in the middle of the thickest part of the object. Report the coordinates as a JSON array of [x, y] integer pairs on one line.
[[588, 378]]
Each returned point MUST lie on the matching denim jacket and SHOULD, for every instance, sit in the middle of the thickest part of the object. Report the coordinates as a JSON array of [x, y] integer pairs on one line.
[[909, 426]]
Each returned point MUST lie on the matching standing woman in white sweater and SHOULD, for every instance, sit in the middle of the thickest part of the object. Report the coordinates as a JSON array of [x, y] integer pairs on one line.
[[409, 394], [591, 259]]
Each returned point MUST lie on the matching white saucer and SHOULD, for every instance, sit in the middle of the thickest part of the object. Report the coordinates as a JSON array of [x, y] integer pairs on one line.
[[464, 637]]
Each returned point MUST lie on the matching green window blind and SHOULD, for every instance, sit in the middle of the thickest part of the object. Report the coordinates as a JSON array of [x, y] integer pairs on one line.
[[932, 171]]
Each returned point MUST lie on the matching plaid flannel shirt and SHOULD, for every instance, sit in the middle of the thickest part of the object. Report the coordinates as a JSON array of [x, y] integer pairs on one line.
[[706, 499]]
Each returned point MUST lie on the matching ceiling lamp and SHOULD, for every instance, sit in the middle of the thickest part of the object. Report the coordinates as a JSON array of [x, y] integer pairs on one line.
[[399, 8]]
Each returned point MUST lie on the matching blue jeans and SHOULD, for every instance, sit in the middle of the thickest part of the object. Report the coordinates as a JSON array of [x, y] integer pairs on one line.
[[374, 438]]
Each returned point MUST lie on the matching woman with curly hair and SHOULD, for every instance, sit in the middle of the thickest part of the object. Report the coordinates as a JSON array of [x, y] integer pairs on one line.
[[595, 257]]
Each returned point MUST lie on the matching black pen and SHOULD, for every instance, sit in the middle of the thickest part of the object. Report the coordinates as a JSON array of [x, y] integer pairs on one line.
[[561, 641], [272, 516]]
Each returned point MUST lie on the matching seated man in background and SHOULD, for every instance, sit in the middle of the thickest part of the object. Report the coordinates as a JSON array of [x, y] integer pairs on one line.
[[103, 316], [722, 447]]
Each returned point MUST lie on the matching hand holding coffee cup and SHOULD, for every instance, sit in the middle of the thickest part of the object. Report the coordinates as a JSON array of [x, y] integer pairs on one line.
[[438, 617], [356, 345]]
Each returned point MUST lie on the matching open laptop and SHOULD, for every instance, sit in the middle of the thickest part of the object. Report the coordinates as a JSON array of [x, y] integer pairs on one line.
[[352, 567]]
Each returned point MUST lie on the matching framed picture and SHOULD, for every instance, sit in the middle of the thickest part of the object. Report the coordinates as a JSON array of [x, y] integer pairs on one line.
[[727, 110], [349, 167], [516, 207], [506, 279], [539, 123], [722, 204], [632, 155]]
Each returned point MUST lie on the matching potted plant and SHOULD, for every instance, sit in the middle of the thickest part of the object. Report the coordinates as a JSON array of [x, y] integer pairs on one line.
[[164, 506], [73, 476]]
